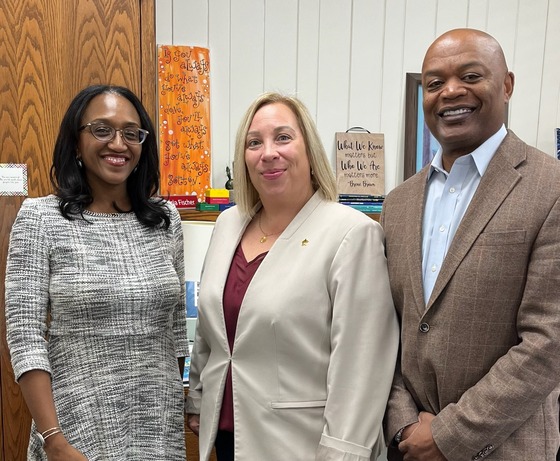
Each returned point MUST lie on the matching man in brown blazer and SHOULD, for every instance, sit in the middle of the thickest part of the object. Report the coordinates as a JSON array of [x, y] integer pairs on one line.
[[473, 247]]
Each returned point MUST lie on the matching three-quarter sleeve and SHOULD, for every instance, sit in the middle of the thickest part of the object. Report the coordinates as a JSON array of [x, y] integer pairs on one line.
[[27, 291]]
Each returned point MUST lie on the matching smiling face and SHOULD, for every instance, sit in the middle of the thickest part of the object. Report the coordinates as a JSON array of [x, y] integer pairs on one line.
[[465, 88], [276, 156], [108, 165]]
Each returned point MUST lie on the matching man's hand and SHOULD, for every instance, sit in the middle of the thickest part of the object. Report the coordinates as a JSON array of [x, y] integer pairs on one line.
[[409, 430], [418, 443]]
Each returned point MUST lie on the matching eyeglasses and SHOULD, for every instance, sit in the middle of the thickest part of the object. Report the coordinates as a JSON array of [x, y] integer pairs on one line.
[[106, 133]]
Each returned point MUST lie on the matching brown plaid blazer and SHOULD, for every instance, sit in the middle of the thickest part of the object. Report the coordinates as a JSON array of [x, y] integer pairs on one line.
[[484, 354]]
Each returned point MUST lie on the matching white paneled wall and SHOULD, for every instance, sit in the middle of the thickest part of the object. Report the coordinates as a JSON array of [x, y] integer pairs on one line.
[[347, 60]]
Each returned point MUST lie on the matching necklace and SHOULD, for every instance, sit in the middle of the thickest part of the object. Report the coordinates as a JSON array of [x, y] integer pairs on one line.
[[264, 234]]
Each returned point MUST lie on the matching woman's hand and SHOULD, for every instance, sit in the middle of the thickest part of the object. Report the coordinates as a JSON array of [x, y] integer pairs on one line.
[[57, 448], [193, 422]]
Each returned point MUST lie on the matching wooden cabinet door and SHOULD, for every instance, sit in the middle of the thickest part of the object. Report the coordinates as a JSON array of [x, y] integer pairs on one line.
[[49, 50]]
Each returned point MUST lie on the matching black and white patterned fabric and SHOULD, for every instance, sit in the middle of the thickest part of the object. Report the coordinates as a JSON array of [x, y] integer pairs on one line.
[[100, 304]]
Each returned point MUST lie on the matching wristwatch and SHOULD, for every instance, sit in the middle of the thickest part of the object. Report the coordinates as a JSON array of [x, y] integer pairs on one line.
[[398, 436]]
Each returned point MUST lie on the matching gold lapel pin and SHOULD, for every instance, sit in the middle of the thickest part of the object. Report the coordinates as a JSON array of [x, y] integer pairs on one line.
[[304, 242]]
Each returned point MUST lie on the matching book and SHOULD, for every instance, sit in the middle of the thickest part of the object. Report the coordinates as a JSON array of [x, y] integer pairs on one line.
[[202, 206], [373, 203], [367, 208], [360, 197], [217, 193], [218, 200]]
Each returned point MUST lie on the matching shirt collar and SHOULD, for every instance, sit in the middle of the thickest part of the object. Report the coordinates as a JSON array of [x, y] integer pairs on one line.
[[481, 155]]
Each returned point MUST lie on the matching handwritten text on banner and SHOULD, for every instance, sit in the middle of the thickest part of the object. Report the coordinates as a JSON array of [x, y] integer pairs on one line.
[[184, 120]]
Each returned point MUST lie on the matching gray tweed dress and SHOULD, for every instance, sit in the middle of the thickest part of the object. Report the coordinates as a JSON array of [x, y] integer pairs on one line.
[[114, 289]]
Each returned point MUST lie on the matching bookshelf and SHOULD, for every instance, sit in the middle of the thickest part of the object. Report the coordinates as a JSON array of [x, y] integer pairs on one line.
[[210, 216]]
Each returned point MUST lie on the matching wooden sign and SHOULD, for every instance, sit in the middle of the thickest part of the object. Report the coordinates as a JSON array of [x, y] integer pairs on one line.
[[184, 120], [360, 163]]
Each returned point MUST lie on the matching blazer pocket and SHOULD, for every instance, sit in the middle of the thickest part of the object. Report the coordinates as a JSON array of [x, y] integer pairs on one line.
[[298, 404], [513, 237]]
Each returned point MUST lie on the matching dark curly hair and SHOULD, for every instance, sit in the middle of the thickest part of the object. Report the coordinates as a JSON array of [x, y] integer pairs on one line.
[[69, 180]]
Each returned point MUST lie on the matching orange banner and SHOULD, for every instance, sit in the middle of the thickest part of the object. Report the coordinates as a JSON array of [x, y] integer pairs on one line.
[[184, 120]]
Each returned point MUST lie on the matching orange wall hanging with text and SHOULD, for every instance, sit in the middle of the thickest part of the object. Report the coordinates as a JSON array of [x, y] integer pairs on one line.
[[184, 120]]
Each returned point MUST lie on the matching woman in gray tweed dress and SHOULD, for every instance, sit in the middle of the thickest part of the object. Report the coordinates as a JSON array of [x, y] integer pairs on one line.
[[95, 293]]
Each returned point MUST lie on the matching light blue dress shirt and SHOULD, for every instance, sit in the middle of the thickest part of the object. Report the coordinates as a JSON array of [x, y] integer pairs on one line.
[[448, 196]]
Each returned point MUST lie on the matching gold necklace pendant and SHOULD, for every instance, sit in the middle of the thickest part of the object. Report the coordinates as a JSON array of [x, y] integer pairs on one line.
[[265, 236]]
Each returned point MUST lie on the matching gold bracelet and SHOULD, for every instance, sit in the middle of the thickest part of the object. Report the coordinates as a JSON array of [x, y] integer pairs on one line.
[[48, 430], [46, 434], [57, 431]]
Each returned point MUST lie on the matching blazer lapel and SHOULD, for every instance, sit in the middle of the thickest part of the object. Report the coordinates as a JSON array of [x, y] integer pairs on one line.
[[224, 244], [413, 235], [496, 184]]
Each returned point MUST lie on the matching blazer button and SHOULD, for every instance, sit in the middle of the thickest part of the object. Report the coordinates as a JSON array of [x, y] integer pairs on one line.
[[424, 327]]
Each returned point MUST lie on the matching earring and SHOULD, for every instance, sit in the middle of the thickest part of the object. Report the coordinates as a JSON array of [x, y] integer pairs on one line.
[[135, 169], [79, 162]]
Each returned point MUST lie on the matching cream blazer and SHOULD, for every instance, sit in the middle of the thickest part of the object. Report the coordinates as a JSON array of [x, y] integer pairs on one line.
[[316, 340], [484, 354]]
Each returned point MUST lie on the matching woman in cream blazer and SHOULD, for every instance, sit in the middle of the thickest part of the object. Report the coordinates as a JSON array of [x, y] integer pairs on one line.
[[316, 338]]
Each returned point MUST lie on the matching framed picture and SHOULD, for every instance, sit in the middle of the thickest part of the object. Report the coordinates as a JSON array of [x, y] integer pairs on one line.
[[419, 144]]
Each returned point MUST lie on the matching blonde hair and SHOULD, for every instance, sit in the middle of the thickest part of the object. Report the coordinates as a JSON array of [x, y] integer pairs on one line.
[[322, 179]]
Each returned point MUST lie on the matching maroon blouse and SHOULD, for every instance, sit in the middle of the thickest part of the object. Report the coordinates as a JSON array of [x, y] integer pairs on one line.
[[240, 275]]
